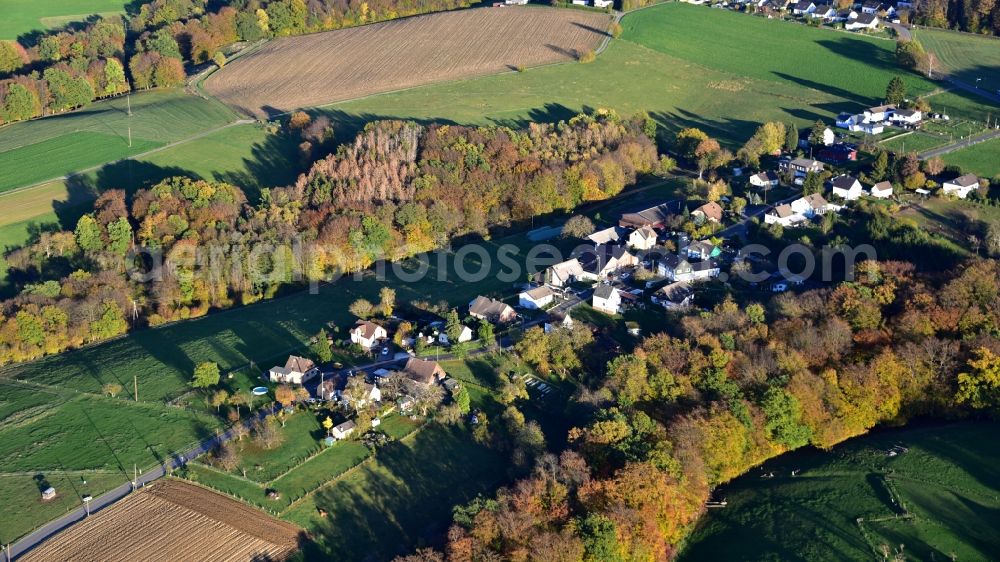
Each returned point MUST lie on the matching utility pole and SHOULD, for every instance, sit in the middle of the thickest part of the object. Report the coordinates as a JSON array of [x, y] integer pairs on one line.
[[135, 385]]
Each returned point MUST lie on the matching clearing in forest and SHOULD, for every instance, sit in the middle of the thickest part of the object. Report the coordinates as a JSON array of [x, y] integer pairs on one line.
[[317, 69]]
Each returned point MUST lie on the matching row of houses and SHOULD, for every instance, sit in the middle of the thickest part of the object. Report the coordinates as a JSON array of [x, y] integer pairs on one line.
[[873, 120]]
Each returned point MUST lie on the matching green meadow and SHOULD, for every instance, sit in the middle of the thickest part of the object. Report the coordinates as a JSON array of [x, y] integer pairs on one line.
[[21, 17], [964, 55]]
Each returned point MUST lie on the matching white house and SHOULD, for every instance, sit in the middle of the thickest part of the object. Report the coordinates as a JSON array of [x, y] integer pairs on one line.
[[367, 334], [871, 7], [603, 3], [579, 2], [341, 431], [862, 22], [642, 239], [702, 250], [562, 274], [962, 186], [847, 120], [606, 299], [536, 298], [868, 127], [464, 335], [296, 370], [881, 190], [823, 12], [783, 215], [516, 2], [804, 7], [879, 113], [907, 116], [847, 14], [764, 179], [847, 187], [610, 235]]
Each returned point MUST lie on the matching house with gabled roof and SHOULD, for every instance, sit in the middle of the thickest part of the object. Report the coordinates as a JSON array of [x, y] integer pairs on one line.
[[881, 190], [536, 298], [367, 334], [491, 310], [655, 217], [803, 7], [642, 238], [803, 166], [865, 21], [610, 235], [711, 212], [423, 371], [847, 187], [565, 273], [677, 268], [607, 299], [766, 179], [296, 370], [961, 186], [783, 215], [605, 260]]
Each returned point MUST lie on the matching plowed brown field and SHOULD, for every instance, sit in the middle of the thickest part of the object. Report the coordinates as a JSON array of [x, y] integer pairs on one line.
[[171, 521], [312, 70]]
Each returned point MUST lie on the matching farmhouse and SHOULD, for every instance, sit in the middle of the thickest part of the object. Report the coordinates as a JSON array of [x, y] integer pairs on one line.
[[907, 116], [764, 179], [367, 334], [881, 190], [609, 235], [879, 113], [862, 22], [846, 187], [491, 310], [296, 370], [676, 268], [710, 212], [654, 217], [803, 166], [562, 274], [423, 371], [642, 239], [341, 431], [607, 299], [961, 186], [536, 298]]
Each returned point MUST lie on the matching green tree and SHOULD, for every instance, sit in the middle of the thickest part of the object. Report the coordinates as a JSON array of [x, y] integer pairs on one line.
[[321, 349], [50, 48], [11, 57], [114, 77], [755, 312], [784, 415], [813, 183], [219, 58], [816, 133], [791, 137], [463, 400], [219, 399], [120, 236], [895, 92], [453, 327], [19, 104], [387, 301], [88, 234], [206, 375], [67, 91], [362, 308], [600, 539], [880, 168], [486, 334]]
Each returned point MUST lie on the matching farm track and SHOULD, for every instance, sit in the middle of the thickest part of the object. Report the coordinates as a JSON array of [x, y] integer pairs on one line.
[[323, 68], [172, 520]]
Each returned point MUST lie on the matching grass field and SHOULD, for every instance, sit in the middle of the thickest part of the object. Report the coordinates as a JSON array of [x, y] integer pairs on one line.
[[939, 498], [915, 142], [664, 64], [384, 507], [965, 56], [982, 159], [34, 151], [25, 16], [296, 72]]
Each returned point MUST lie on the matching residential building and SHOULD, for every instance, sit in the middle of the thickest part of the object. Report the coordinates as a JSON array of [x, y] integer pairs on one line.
[[611, 235], [710, 212], [603, 3], [491, 310], [881, 190], [802, 166], [840, 152], [423, 371], [766, 179], [675, 296], [464, 335], [863, 22], [605, 260], [907, 116], [296, 370], [367, 334], [848, 120], [565, 273], [676, 268], [702, 250], [556, 320], [642, 239], [879, 113], [868, 128], [871, 7], [804, 7], [824, 12], [847, 14], [341, 431], [536, 298], [847, 187], [655, 217], [782, 215], [607, 299], [962, 186]]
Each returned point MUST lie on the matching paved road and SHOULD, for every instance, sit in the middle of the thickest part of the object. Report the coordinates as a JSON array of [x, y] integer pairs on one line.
[[959, 145]]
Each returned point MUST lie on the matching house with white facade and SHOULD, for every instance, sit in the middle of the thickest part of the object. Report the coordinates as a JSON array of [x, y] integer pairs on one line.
[[678, 268], [907, 116], [464, 335], [296, 370], [802, 166], [607, 299], [881, 190], [847, 187], [367, 334], [961, 187], [879, 113], [536, 298], [565, 273], [863, 22], [341, 431], [766, 179], [642, 239]]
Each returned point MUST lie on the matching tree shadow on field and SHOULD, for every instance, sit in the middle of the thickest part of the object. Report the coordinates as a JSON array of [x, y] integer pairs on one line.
[[568, 53], [860, 50], [601, 32], [730, 132], [827, 88]]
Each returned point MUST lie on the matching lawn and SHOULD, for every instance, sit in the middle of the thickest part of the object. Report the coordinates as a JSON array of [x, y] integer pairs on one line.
[[35, 151], [964, 55], [982, 159], [947, 482], [914, 142], [21, 17], [385, 507], [664, 65]]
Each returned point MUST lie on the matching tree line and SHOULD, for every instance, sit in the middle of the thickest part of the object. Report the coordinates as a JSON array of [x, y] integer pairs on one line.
[[727, 389], [973, 16], [149, 46], [398, 190]]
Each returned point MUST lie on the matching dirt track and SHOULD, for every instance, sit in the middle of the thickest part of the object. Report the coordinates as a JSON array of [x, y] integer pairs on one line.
[[317, 69]]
